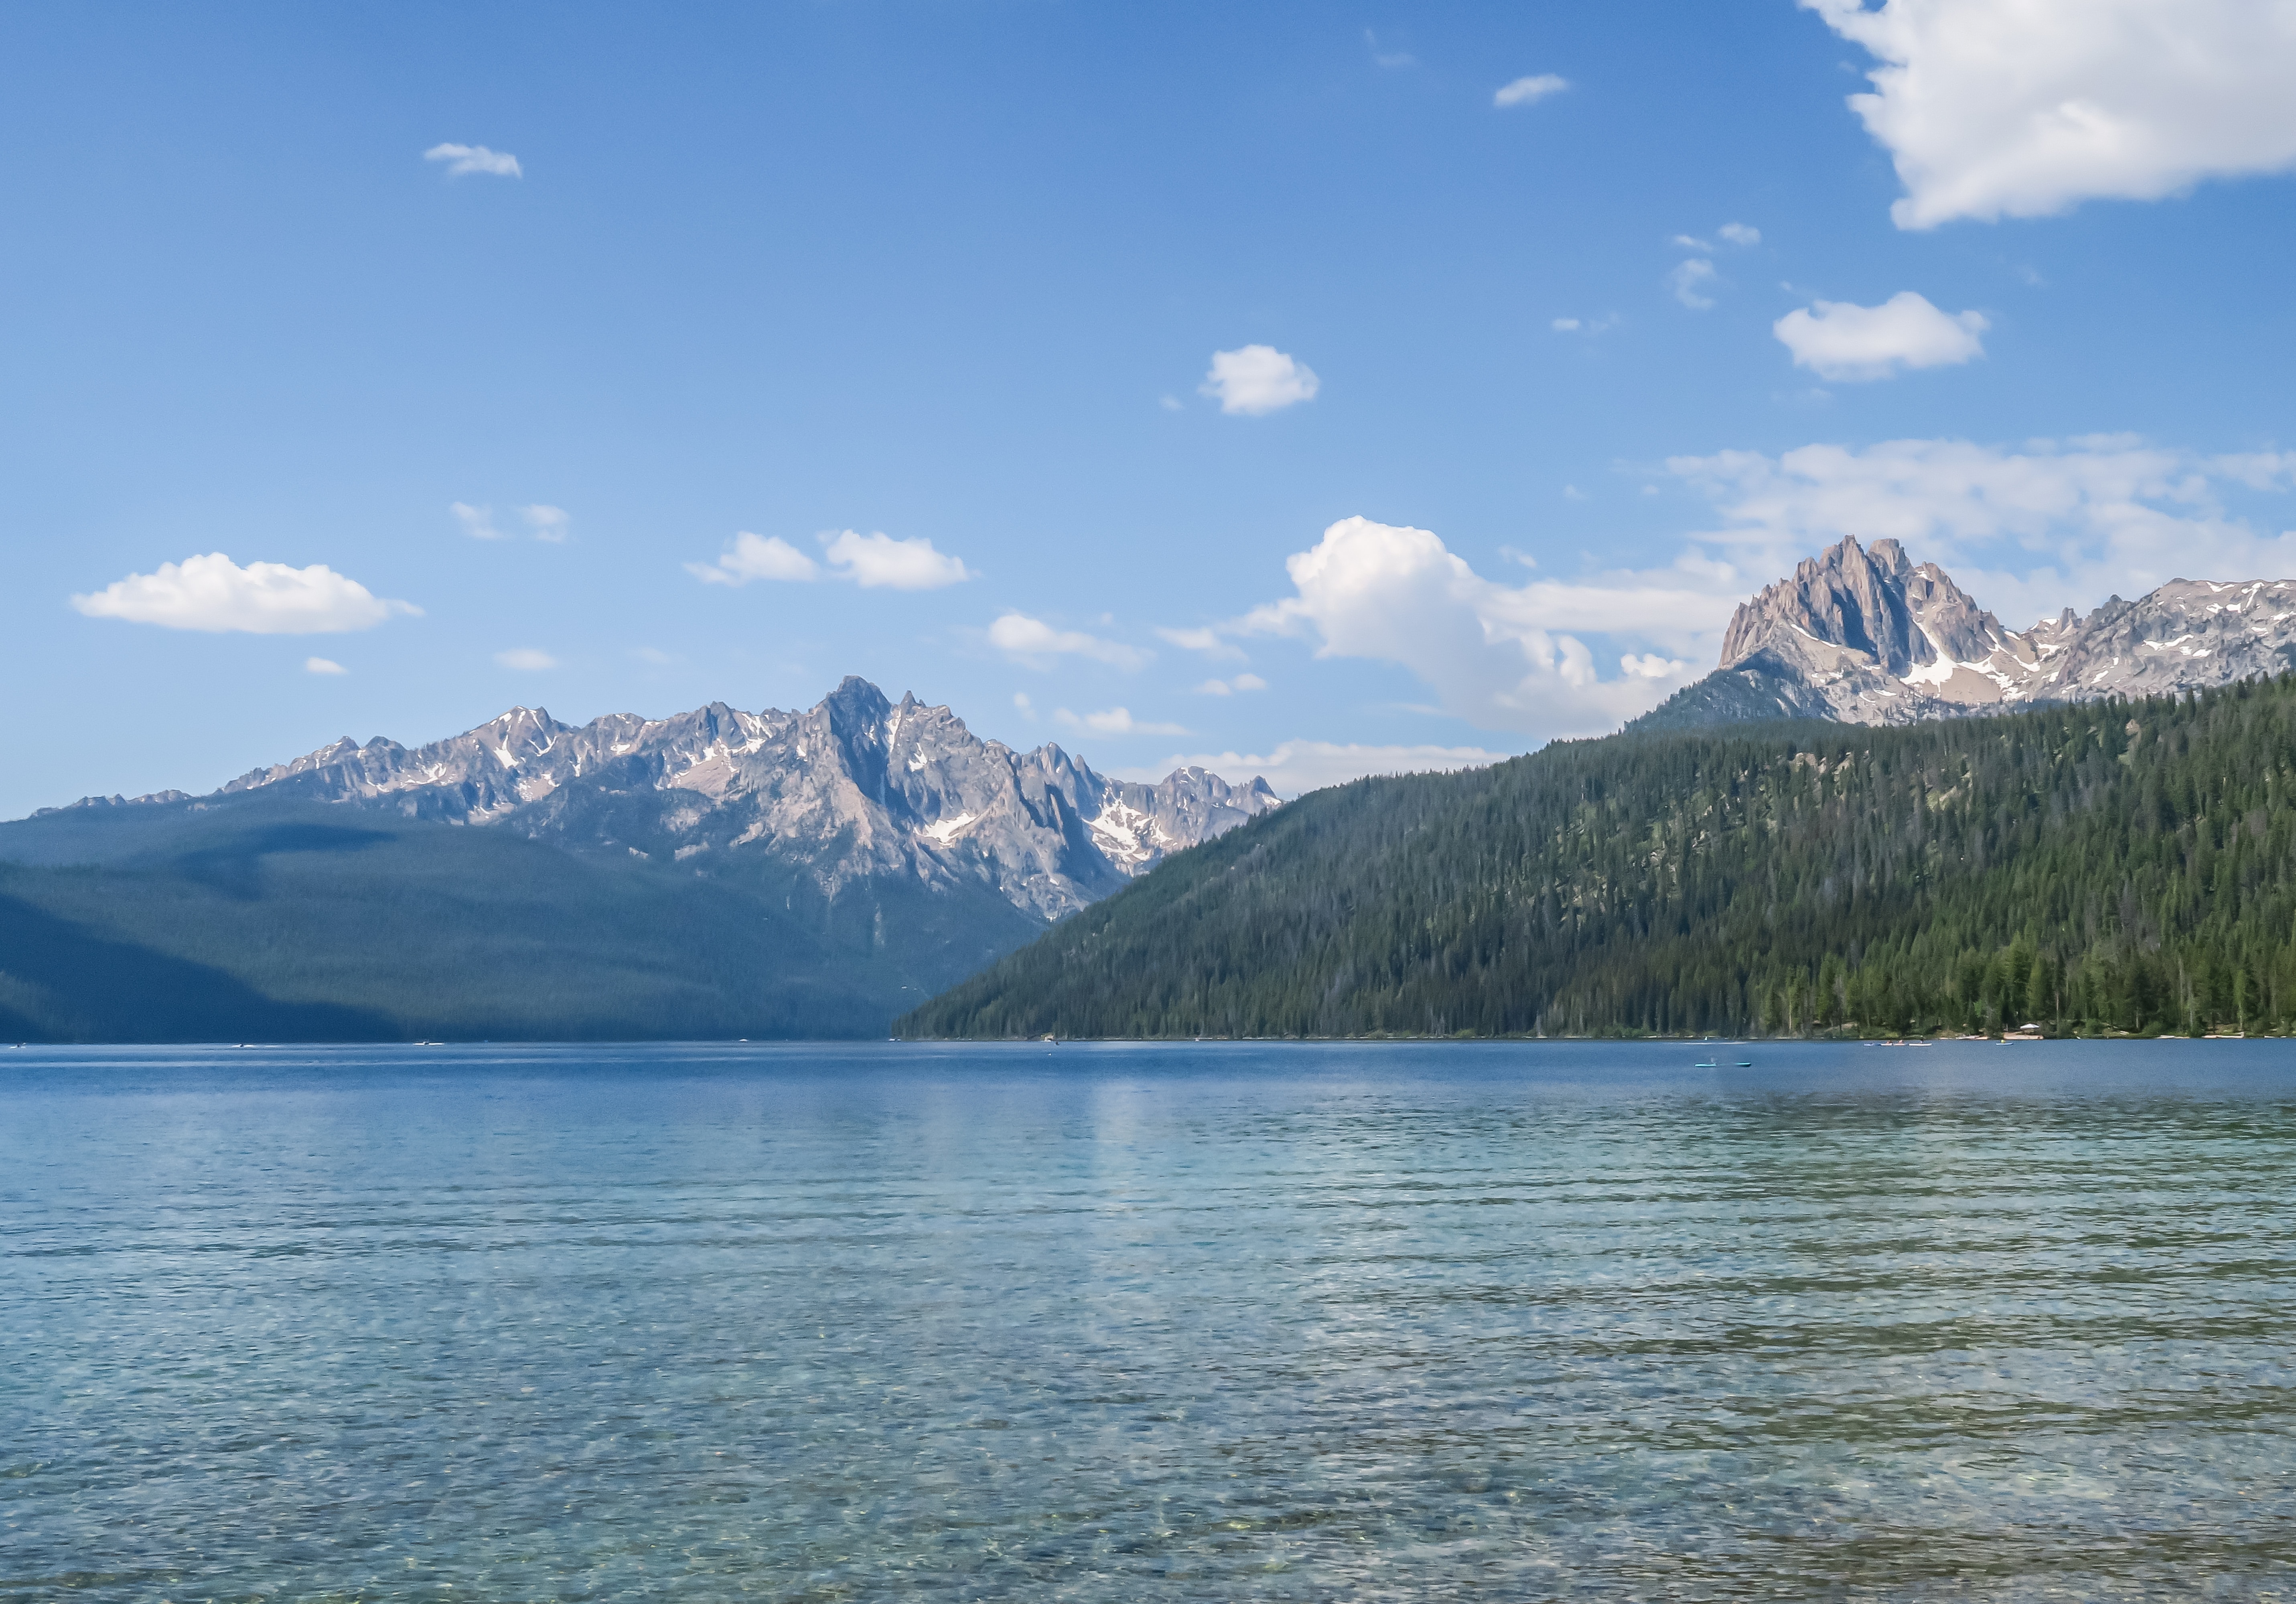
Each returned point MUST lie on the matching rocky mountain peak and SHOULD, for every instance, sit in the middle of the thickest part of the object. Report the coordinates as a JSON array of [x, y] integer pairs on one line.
[[1865, 636], [858, 786]]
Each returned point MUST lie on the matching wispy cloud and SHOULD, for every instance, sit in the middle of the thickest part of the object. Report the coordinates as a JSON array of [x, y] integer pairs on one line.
[[1036, 644], [1207, 640], [1690, 281], [548, 523], [1230, 687], [478, 522], [461, 160], [527, 660], [871, 561], [1530, 91], [1741, 235], [2026, 531], [1388, 58], [319, 665], [215, 595], [1114, 721]]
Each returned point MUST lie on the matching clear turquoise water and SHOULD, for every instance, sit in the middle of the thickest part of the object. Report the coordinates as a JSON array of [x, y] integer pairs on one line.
[[1148, 1323]]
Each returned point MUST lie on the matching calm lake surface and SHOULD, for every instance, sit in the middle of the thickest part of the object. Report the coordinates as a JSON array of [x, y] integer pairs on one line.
[[1159, 1323]]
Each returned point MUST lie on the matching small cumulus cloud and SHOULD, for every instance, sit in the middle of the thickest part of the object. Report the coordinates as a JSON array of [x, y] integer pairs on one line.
[[873, 561], [461, 160], [1652, 665], [1034, 642], [1740, 235], [1257, 380], [1114, 721], [1530, 91], [1231, 687], [748, 557], [1207, 640], [1690, 280], [1842, 342], [319, 665], [527, 660], [548, 523], [214, 594]]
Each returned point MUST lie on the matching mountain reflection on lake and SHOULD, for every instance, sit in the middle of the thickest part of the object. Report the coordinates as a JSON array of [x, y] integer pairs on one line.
[[1170, 1322]]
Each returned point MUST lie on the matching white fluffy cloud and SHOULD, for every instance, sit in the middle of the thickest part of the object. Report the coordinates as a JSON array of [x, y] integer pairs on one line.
[[319, 665], [216, 594], [462, 159], [1231, 687], [748, 557], [2025, 531], [1530, 91], [1115, 721], [1742, 234], [1036, 644], [879, 561], [1259, 380], [1294, 767], [548, 523], [1842, 341], [871, 561], [1992, 110], [527, 660], [1504, 658]]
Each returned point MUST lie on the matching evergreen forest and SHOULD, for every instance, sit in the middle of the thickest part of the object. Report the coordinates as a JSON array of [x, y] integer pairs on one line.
[[2100, 867]]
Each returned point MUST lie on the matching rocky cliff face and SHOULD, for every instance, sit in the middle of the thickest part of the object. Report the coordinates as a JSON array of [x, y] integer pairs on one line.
[[858, 786], [1865, 636]]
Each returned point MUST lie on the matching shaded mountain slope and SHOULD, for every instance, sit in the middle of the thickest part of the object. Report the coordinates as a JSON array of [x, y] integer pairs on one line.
[[268, 917], [2114, 865]]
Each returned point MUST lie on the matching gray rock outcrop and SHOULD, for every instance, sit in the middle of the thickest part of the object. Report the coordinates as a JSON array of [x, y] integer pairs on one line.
[[1863, 635]]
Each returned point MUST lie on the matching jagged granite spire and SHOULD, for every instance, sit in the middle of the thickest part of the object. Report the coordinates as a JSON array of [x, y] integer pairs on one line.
[[1862, 635]]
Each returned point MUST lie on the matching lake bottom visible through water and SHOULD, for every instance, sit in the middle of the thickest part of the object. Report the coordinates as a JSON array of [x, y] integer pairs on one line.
[[835, 1323]]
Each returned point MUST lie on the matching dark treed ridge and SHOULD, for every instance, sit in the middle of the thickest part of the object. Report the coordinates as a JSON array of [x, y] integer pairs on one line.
[[2113, 866]]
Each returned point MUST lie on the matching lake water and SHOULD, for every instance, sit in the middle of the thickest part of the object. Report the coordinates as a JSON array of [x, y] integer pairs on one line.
[[1149, 1324]]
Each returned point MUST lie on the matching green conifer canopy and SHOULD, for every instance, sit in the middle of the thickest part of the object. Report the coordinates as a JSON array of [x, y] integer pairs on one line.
[[2112, 866]]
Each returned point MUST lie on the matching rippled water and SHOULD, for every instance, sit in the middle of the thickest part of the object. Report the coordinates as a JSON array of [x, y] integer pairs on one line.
[[1148, 1323]]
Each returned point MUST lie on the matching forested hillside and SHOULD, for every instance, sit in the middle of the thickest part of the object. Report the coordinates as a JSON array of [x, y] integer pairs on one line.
[[2117, 865]]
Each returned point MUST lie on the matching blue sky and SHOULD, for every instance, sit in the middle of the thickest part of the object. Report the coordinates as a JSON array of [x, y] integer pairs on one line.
[[1587, 367]]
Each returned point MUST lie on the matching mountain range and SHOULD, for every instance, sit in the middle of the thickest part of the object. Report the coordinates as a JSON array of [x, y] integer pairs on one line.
[[1863, 635], [718, 872]]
